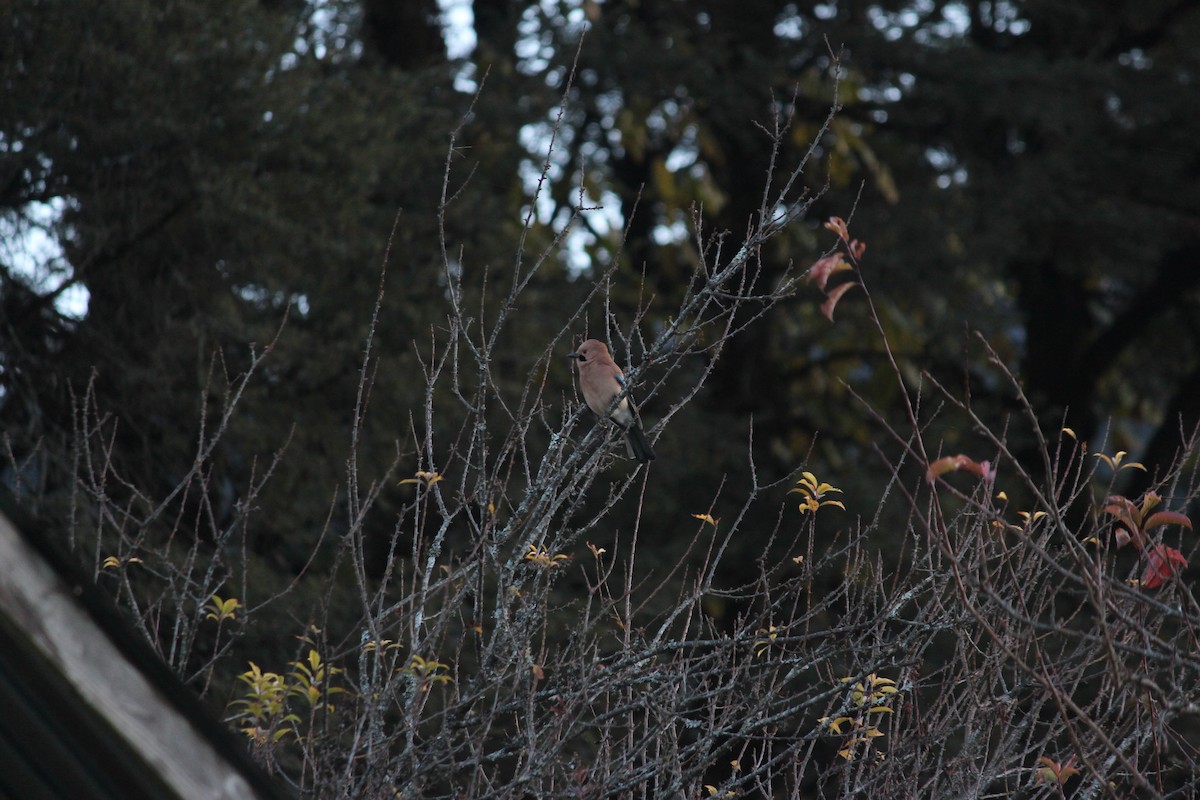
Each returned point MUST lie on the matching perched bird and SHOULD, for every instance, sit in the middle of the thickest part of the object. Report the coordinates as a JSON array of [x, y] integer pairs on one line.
[[601, 380]]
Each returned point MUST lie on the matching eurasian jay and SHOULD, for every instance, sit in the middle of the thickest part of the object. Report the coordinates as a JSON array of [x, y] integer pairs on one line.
[[601, 380]]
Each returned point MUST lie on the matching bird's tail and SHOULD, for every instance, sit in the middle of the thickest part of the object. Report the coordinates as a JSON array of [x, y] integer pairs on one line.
[[639, 445]]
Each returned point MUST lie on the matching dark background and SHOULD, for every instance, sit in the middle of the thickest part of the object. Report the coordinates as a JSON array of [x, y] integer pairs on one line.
[[1026, 170]]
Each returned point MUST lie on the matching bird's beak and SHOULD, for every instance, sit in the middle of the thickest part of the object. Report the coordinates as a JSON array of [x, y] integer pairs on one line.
[[572, 355]]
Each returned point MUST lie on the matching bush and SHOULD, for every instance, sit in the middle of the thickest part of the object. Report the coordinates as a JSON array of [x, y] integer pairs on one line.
[[1011, 647]]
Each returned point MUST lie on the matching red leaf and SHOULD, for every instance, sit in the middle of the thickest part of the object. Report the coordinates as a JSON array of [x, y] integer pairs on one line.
[[1161, 563], [820, 272], [1126, 512], [1166, 518], [838, 226], [834, 295], [951, 463]]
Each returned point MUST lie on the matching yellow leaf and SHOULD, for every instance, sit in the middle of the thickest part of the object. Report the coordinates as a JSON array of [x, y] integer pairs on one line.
[[424, 478], [836, 725]]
